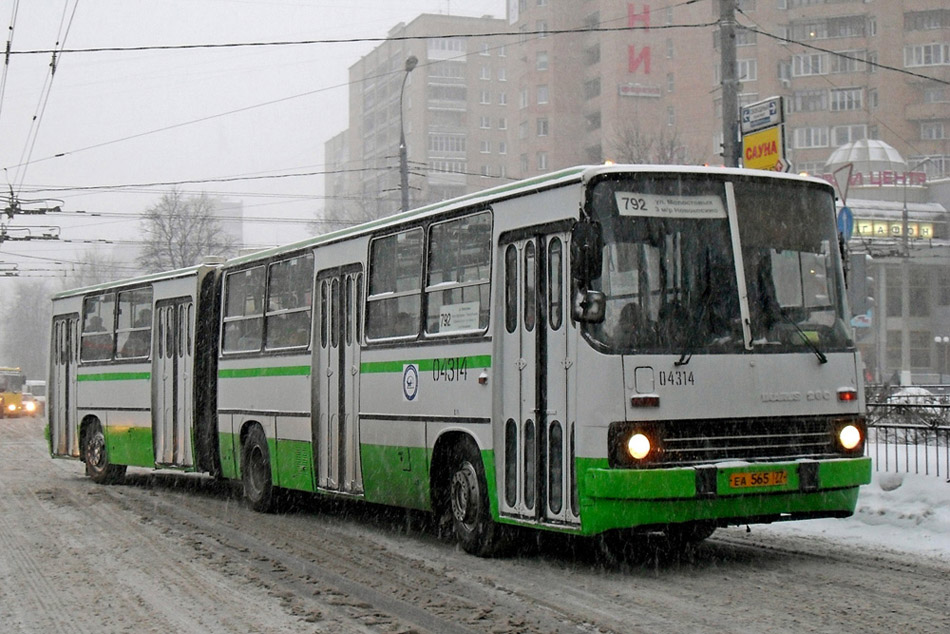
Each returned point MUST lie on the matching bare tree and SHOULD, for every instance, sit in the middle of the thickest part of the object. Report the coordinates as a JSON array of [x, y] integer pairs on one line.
[[180, 231], [95, 266], [633, 145]]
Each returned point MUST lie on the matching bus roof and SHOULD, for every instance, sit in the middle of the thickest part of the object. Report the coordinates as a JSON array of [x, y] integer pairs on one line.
[[577, 174], [165, 275]]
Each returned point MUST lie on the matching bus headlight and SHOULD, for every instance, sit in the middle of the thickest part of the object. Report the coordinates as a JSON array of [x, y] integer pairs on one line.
[[30, 406], [11, 407], [849, 437], [639, 446]]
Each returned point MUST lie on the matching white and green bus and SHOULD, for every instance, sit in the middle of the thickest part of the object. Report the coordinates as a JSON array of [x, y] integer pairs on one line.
[[600, 350]]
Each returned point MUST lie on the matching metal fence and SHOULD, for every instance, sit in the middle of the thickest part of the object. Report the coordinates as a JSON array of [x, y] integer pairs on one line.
[[909, 429]]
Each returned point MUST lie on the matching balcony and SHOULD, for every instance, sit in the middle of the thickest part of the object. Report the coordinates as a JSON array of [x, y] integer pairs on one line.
[[925, 111]]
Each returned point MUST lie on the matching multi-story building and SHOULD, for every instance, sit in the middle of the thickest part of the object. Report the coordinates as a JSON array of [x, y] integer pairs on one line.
[[452, 107], [593, 80]]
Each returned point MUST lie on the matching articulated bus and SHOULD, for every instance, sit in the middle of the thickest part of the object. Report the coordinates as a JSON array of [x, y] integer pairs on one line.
[[11, 392], [599, 351]]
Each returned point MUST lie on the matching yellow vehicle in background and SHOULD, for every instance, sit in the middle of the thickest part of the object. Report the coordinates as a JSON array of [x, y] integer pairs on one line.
[[12, 381]]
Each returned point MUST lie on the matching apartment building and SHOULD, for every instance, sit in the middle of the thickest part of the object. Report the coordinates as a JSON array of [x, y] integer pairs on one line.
[[452, 107], [560, 83]]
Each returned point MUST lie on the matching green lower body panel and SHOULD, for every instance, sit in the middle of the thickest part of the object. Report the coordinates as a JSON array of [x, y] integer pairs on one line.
[[292, 464], [397, 476], [130, 446], [228, 447], [627, 498]]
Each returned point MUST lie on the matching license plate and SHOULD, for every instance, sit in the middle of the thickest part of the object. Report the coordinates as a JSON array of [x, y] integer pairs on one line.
[[745, 480]]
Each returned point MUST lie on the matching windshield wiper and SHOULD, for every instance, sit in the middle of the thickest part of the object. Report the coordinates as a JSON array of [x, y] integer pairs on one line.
[[808, 342], [691, 340]]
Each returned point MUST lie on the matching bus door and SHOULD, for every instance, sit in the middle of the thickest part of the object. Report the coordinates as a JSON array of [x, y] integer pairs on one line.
[[61, 402], [336, 380], [172, 382], [537, 463]]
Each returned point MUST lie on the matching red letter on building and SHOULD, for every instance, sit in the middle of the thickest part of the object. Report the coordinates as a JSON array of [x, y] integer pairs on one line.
[[642, 17], [634, 60]]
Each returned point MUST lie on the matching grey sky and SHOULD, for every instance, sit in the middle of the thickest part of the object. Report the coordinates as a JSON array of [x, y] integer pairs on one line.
[[98, 99]]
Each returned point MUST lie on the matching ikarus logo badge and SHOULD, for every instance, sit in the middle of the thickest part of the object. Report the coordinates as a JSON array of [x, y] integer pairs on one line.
[[410, 382]]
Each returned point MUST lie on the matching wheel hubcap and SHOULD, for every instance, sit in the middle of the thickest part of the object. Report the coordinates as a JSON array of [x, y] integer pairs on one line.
[[465, 495]]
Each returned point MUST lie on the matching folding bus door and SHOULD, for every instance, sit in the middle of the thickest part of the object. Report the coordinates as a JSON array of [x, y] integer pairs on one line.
[[173, 382], [537, 438], [61, 401], [336, 380]]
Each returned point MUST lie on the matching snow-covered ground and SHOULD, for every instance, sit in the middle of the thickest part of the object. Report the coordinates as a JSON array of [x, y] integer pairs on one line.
[[902, 512]]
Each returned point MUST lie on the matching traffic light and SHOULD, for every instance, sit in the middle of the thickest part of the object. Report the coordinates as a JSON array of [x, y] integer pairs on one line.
[[861, 286]]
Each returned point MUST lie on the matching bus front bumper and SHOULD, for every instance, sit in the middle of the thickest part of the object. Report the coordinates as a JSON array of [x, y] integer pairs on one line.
[[732, 494]]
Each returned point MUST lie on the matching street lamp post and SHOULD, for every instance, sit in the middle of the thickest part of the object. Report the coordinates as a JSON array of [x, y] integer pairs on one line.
[[411, 62], [905, 282], [942, 342]]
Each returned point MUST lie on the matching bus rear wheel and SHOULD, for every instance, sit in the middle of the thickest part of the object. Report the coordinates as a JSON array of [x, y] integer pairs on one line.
[[255, 472], [96, 457], [474, 528]]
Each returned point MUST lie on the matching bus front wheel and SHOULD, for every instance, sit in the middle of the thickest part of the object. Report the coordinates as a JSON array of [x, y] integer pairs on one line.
[[475, 530], [255, 471], [96, 457]]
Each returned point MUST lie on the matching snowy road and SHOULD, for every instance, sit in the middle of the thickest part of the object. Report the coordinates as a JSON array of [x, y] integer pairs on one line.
[[167, 552]]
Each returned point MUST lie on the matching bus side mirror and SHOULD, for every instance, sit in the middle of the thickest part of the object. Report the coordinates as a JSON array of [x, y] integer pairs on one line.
[[587, 246]]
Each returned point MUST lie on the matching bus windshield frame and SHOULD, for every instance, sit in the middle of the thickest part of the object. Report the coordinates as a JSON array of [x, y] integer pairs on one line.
[[716, 264]]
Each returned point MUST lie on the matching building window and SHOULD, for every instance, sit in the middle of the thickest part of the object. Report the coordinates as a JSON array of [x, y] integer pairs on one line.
[[591, 88], [523, 102], [872, 98], [502, 123], [502, 147], [485, 72], [592, 55], [593, 121], [843, 134], [932, 130], [484, 123], [809, 64], [670, 116], [669, 82], [927, 55], [848, 61], [541, 26], [523, 130], [808, 101], [847, 99], [542, 126], [936, 95], [747, 69], [542, 161], [810, 137], [484, 50], [485, 97], [541, 61], [927, 20], [502, 99], [542, 94], [669, 48], [502, 75], [523, 163], [484, 147]]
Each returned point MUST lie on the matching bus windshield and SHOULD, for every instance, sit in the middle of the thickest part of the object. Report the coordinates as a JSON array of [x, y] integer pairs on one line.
[[670, 273], [11, 380]]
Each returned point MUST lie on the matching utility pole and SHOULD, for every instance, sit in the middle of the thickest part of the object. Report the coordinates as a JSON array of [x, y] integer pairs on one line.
[[730, 85]]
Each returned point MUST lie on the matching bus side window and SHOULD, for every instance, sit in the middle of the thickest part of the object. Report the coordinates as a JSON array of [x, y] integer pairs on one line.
[[97, 328]]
